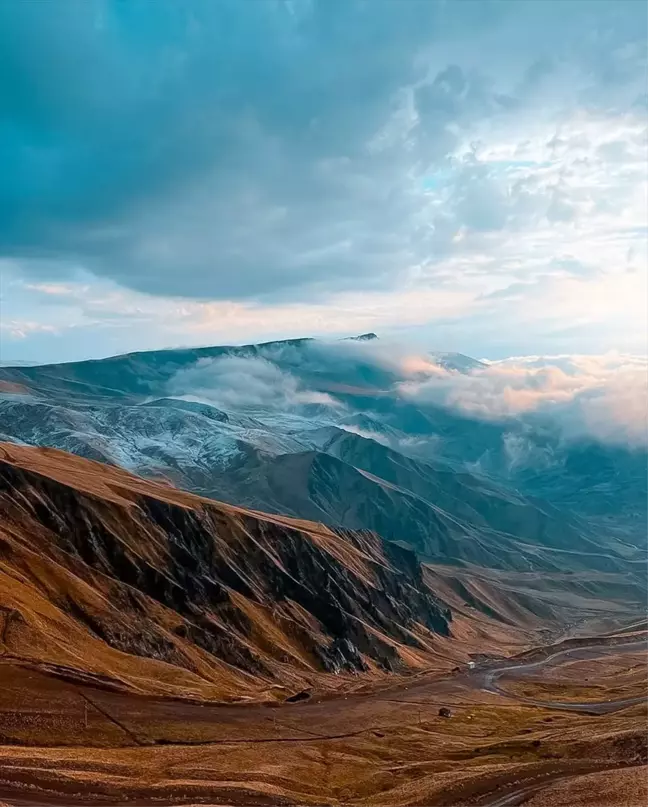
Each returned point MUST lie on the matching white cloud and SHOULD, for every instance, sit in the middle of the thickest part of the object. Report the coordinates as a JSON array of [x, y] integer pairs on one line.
[[605, 397], [234, 382], [21, 329]]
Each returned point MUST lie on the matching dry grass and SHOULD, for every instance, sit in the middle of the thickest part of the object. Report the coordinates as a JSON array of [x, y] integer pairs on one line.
[[382, 748], [83, 722]]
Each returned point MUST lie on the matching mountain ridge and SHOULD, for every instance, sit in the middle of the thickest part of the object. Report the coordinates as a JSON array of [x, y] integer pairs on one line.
[[327, 435], [267, 600]]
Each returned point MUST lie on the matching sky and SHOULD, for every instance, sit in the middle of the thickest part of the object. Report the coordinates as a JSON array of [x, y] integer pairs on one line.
[[469, 176]]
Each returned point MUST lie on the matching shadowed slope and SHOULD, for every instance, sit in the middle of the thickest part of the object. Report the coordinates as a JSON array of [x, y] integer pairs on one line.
[[141, 586]]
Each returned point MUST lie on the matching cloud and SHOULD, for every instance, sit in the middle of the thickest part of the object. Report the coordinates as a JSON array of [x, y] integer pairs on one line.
[[237, 382], [601, 397], [56, 289], [471, 175], [521, 452], [377, 437], [604, 397], [282, 150], [95, 319], [21, 329], [616, 413]]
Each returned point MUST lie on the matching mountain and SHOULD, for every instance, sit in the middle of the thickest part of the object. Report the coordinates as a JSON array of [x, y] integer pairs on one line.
[[442, 514], [300, 625], [127, 584], [605, 482], [456, 361], [323, 431]]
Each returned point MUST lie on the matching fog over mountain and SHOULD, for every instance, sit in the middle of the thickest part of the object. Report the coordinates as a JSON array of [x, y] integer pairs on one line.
[[525, 463], [600, 397]]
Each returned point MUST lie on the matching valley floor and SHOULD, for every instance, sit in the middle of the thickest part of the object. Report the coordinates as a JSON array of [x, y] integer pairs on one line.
[[64, 743]]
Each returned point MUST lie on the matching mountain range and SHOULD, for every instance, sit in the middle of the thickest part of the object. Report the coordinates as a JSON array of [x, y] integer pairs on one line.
[[124, 583], [210, 556], [323, 431]]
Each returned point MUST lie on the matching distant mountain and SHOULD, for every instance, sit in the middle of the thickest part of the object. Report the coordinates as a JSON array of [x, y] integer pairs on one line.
[[364, 337], [322, 432], [456, 361], [18, 363], [443, 514]]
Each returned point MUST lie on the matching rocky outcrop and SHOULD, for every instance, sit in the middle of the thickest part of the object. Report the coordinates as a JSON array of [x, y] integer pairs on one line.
[[162, 575]]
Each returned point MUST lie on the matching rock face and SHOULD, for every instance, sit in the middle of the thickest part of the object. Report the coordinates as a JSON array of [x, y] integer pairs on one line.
[[106, 575]]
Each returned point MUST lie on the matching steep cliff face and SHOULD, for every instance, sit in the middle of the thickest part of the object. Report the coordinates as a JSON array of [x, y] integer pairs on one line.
[[107, 576]]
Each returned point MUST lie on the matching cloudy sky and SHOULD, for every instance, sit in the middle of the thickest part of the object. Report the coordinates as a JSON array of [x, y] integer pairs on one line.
[[467, 175]]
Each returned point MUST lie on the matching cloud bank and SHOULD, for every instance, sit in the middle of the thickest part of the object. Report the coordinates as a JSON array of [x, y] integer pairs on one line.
[[235, 382], [604, 397], [600, 397]]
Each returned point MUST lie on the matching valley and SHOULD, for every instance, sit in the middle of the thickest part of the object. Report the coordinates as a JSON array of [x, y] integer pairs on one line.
[[327, 594], [388, 745], [239, 688]]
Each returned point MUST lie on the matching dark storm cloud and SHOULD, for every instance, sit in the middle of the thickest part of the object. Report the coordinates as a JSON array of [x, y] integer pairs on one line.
[[228, 149]]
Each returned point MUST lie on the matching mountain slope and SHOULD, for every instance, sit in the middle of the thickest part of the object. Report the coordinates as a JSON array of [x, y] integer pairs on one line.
[[323, 432], [319, 486], [325, 473], [130, 584], [131, 376]]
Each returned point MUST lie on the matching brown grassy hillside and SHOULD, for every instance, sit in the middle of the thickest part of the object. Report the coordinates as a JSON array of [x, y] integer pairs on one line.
[[110, 578], [129, 611]]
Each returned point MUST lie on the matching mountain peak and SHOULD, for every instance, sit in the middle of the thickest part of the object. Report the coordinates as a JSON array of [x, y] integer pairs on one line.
[[363, 337]]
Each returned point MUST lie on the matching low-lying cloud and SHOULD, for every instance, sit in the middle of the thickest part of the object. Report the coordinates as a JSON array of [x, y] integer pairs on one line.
[[604, 397], [237, 382]]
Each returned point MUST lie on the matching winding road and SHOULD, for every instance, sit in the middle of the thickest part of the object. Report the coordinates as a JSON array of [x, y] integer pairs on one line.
[[486, 679]]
